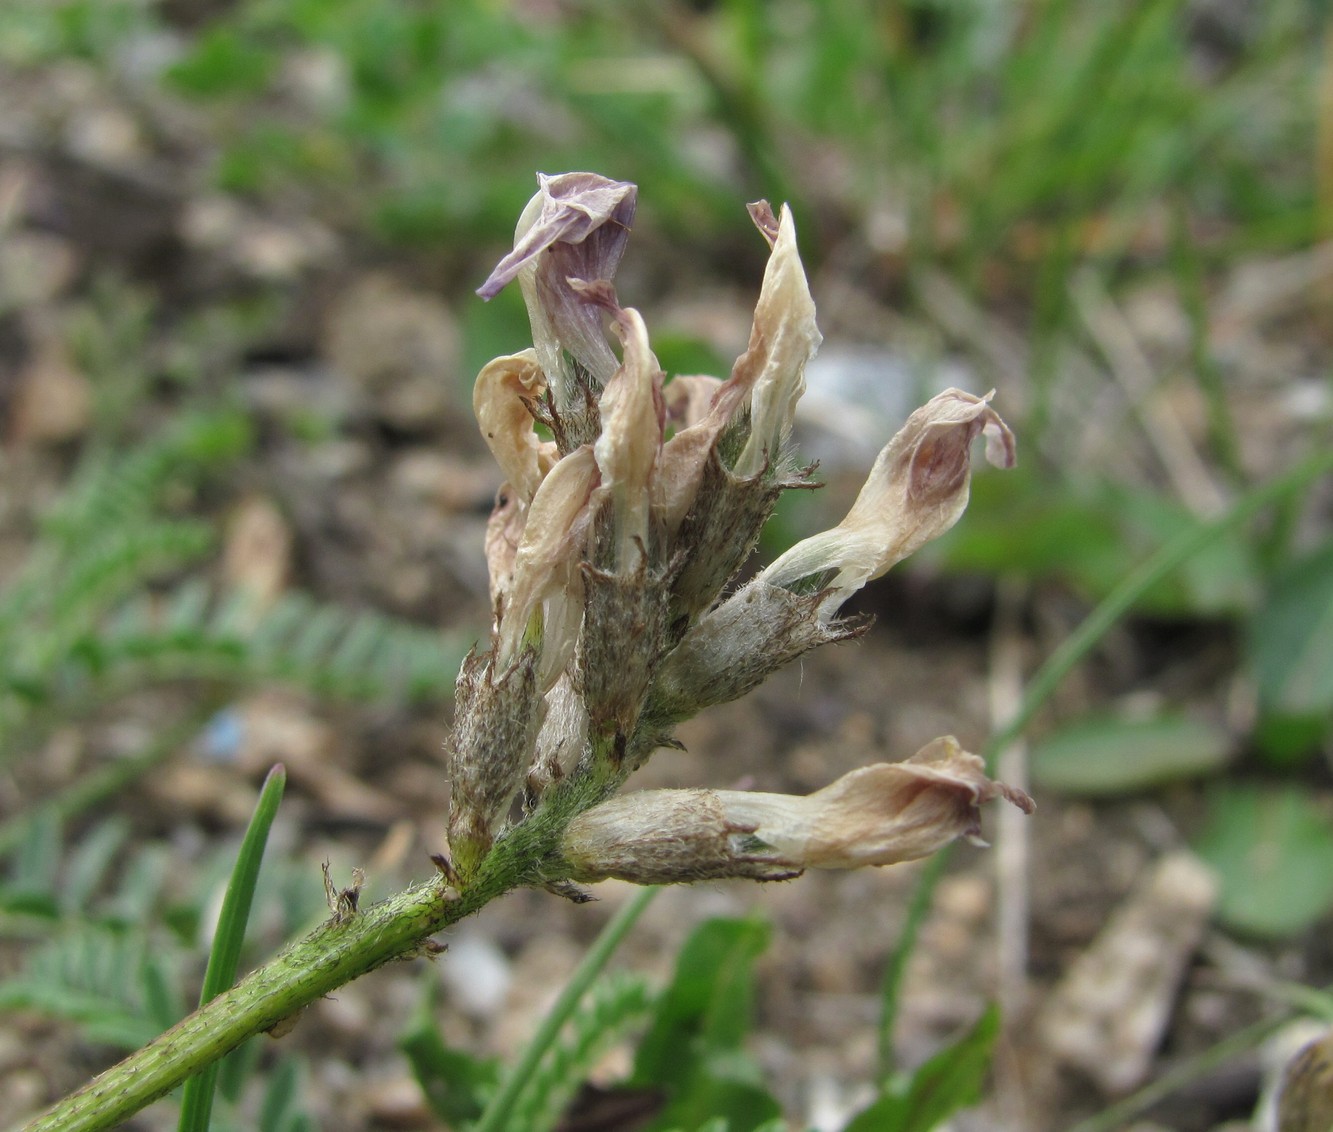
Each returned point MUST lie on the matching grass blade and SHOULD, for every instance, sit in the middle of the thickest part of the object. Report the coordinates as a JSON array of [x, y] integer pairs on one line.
[[502, 1104], [225, 956]]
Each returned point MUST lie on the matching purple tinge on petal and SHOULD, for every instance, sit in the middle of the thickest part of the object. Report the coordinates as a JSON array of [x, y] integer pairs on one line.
[[939, 459], [761, 212], [578, 209]]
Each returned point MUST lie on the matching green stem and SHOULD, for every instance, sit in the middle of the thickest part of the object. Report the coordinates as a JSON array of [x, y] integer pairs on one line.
[[890, 993], [498, 1111], [333, 954]]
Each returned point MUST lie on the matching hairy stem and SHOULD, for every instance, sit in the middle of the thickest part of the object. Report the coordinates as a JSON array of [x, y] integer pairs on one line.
[[333, 954]]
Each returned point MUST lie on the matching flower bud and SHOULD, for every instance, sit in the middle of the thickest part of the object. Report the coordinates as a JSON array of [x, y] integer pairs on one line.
[[877, 815], [497, 717], [915, 492]]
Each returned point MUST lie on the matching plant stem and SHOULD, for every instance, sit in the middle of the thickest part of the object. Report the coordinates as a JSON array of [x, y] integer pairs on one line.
[[333, 954], [895, 971], [338, 952]]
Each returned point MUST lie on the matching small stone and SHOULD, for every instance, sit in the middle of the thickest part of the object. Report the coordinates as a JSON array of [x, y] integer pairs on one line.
[[35, 267], [397, 1102], [261, 246], [478, 974], [257, 556], [1112, 1007], [105, 135]]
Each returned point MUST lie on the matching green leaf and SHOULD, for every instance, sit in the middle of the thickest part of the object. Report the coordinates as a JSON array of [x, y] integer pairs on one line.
[[38, 858], [221, 64], [88, 864], [237, 1068], [1105, 756], [225, 956], [707, 1007], [161, 1002], [502, 1105], [950, 1080], [456, 1083], [1272, 849], [693, 1046], [279, 1108], [1290, 650], [741, 1105], [1090, 535]]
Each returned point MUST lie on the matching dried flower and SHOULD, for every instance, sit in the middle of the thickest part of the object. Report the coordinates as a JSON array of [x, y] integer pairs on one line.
[[877, 815], [633, 418], [783, 339], [768, 379], [915, 492], [576, 227], [609, 546], [546, 567], [502, 398]]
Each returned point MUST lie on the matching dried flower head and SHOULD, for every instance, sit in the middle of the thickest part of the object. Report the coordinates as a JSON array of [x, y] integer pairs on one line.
[[877, 815], [610, 551], [915, 492], [574, 229]]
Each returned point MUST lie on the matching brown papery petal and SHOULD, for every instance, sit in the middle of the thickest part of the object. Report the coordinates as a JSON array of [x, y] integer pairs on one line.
[[506, 424], [633, 417], [916, 490], [783, 339], [880, 814], [769, 377], [546, 562]]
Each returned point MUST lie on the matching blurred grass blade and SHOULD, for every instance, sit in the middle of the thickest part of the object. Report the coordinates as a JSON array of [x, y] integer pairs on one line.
[[890, 992], [1105, 756], [950, 1080], [496, 1116], [225, 956]]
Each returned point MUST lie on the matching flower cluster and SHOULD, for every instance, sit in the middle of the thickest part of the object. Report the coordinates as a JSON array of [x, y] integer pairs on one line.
[[630, 503]]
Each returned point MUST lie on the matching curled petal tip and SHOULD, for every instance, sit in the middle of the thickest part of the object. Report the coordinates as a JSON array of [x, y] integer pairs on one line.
[[761, 212]]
